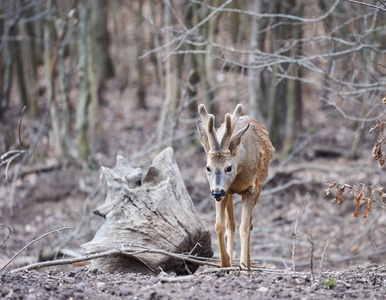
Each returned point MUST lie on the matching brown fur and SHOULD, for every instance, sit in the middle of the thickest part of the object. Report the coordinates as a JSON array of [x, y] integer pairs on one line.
[[245, 144]]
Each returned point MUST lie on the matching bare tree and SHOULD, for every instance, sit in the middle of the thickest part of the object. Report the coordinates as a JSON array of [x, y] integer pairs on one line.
[[82, 141], [172, 92]]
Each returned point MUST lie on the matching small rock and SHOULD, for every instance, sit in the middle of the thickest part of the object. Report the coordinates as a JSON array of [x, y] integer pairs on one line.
[[100, 285], [262, 289]]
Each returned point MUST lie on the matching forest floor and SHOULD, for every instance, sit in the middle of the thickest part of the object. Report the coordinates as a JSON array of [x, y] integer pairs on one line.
[[353, 250], [82, 283]]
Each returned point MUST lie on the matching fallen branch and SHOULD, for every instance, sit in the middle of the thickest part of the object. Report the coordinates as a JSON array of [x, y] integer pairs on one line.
[[32, 242], [127, 250], [200, 261]]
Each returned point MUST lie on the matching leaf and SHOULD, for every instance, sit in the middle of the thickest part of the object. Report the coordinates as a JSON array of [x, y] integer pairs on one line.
[[357, 200], [368, 206], [339, 194], [328, 190]]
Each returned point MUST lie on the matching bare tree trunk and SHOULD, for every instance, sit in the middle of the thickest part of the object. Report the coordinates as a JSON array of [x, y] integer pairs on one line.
[[139, 63], [156, 44], [234, 19], [366, 57], [170, 102], [205, 61], [97, 65], [119, 59], [6, 66], [256, 99], [293, 113], [332, 21], [209, 62], [82, 142], [61, 30], [29, 69], [273, 105], [49, 64], [19, 72]]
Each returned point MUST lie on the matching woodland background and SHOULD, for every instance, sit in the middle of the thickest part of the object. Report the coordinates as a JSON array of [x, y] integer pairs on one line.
[[105, 77]]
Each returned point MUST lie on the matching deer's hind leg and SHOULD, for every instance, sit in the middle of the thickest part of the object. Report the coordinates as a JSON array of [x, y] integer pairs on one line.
[[220, 231], [230, 226], [245, 229]]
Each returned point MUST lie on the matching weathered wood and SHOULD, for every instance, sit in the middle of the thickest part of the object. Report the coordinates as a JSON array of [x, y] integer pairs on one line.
[[153, 211]]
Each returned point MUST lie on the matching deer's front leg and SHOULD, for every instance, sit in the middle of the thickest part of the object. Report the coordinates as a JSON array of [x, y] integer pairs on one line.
[[230, 225], [220, 231], [245, 229]]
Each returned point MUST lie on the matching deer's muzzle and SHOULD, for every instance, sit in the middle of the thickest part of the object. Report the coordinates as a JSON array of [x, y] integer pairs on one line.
[[218, 195]]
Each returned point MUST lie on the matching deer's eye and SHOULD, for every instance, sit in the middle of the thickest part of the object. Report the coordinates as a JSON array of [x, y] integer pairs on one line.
[[208, 169], [229, 169]]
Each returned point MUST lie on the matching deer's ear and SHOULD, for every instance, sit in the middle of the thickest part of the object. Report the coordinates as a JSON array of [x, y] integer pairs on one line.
[[203, 136], [236, 138]]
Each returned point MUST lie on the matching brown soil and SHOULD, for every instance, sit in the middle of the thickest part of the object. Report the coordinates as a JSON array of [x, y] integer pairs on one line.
[[82, 283]]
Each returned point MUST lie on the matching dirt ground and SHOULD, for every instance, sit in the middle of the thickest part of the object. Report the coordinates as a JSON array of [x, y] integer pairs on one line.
[[82, 283]]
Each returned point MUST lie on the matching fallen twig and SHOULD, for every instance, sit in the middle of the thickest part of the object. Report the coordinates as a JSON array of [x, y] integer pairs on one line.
[[32, 242], [311, 241], [324, 256]]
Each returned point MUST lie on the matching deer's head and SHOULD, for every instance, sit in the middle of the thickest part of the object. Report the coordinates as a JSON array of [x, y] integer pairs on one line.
[[221, 166]]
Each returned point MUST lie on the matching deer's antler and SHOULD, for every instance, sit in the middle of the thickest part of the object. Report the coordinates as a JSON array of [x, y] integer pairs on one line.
[[230, 124], [208, 122]]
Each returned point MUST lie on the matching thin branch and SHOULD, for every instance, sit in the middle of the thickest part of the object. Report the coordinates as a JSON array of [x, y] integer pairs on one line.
[[298, 221], [267, 15], [367, 4], [32, 242], [290, 156], [324, 256], [195, 27], [181, 39], [7, 237], [284, 186], [312, 246], [21, 119]]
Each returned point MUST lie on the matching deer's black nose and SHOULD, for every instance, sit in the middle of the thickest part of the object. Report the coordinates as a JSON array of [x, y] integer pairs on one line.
[[218, 195]]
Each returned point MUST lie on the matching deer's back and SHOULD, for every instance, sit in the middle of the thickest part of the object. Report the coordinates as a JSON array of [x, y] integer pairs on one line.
[[253, 155]]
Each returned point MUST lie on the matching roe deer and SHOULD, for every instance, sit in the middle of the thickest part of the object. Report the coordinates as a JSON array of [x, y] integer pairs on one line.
[[238, 156]]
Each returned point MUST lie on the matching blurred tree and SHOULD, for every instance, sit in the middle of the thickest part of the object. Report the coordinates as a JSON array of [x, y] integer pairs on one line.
[[294, 91], [119, 42], [205, 63], [257, 93], [99, 67], [138, 48], [82, 141], [50, 61], [285, 46], [6, 57], [64, 30], [172, 78]]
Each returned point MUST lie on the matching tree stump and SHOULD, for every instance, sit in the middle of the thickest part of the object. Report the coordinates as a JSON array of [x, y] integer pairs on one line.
[[154, 211]]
